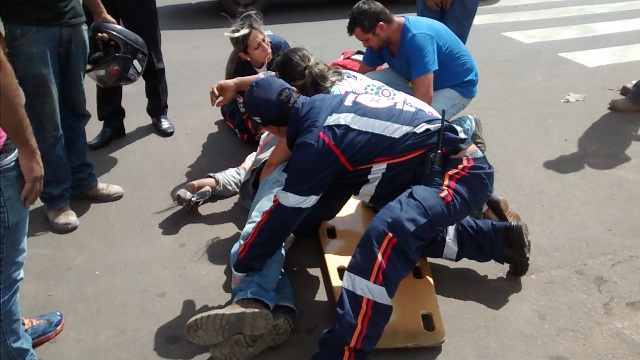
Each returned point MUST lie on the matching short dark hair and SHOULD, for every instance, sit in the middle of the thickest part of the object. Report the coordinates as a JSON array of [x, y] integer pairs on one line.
[[287, 97], [366, 15]]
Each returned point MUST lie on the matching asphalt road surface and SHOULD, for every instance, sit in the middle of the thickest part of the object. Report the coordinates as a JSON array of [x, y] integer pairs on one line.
[[136, 270]]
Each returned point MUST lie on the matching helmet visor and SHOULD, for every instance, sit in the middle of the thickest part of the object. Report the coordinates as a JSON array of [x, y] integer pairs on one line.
[[117, 70]]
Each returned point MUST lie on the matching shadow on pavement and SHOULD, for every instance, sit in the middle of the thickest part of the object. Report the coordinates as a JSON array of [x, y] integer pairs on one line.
[[221, 150], [39, 225], [170, 342], [102, 160], [313, 315], [603, 145], [468, 285], [180, 218]]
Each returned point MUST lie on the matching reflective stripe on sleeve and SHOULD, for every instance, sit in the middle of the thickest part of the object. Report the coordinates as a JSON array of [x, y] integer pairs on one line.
[[374, 179], [375, 126]]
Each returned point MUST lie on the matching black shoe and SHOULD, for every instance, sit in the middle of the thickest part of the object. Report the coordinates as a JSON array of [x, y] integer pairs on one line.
[[163, 124], [517, 248], [105, 137]]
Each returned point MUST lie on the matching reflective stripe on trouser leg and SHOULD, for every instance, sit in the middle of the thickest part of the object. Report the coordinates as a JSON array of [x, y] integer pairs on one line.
[[405, 228], [451, 244], [386, 253]]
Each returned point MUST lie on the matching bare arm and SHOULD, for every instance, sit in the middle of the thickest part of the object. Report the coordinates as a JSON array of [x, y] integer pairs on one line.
[[228, 89], [279, 155], [99, 12], [423, 88], [15, 123], [363, 69]]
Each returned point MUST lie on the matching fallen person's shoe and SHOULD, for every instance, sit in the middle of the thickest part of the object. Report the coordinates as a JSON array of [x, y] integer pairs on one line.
[[192, 201], [247, 316], [623, 105], [244, 347], [476, 137], [44, 327], [498, 209], [517, 248]]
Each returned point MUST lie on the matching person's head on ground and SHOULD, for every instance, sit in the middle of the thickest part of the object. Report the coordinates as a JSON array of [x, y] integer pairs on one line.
[[369, 22], [297, 67], [248, 39], [269, 101]]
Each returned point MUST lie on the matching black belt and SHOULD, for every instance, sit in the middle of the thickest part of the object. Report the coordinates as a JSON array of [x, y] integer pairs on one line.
[[8, 147]]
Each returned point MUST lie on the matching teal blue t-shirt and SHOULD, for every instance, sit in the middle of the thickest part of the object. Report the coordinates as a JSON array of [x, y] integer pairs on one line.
[[429, 46]]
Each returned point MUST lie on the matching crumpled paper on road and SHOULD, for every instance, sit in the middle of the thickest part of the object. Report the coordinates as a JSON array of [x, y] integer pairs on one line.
[[571, 97]]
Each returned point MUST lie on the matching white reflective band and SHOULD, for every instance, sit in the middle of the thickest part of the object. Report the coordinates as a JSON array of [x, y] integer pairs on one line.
[[368, 124], [374, 179], [451, 246], [424, 126], [293, 200], [365, 288]]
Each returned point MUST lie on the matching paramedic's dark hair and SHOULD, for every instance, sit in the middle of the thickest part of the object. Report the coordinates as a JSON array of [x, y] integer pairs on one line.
[[366, 14], [298, 68], [288, 97]]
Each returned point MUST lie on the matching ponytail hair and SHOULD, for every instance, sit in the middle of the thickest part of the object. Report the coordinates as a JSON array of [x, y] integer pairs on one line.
[[297, 67]]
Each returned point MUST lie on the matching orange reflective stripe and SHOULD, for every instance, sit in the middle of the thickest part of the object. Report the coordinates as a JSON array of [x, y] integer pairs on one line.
[[450, 178], [365, 309]]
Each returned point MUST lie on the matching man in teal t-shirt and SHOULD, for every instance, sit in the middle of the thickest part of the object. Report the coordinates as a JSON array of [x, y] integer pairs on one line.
[[425, 58]]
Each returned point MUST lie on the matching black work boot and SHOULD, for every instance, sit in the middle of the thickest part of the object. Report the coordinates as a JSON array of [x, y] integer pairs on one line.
[[517, 248]]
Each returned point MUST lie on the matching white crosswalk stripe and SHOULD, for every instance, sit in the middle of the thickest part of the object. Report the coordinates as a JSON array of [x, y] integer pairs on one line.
[[606, 56], [574, 31], [590, 57]]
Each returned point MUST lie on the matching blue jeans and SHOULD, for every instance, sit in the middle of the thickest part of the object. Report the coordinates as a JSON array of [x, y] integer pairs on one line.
[[449, 100], [50, 63], [15, 344], [458, 18], [271, 284]]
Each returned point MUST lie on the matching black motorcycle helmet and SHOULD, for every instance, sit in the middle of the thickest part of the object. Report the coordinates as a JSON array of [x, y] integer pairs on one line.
[[119, 60]]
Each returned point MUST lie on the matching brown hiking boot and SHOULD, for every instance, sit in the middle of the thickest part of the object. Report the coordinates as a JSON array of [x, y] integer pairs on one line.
[[244, 347], [498, 209], [104, 193], [517, 248], [247, 316], [62, 219]]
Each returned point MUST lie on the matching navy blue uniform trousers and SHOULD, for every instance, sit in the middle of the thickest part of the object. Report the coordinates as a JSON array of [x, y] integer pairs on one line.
[[418, 223]]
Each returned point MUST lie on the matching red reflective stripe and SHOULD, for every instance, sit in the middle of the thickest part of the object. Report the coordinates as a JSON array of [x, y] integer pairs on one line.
[[393, 160], [367, 304], [335, 150], [245, 245]]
